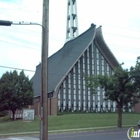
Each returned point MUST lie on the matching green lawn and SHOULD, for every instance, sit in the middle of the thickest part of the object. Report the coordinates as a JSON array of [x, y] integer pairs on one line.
[[69, 121]]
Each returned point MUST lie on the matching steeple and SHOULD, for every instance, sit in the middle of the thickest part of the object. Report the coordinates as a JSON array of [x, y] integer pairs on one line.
[[72, 21]]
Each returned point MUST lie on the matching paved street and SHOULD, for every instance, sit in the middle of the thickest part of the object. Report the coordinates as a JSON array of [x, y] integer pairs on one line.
[[120, 134], [100, 135]]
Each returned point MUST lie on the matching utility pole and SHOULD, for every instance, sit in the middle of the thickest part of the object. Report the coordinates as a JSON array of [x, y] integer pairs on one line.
[[44, 66], [44, 72]]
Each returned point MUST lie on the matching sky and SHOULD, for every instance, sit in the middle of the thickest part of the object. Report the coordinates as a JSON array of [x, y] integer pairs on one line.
[[21, 45]]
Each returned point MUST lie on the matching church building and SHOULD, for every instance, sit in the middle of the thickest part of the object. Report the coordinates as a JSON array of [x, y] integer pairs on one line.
[[84, 54]]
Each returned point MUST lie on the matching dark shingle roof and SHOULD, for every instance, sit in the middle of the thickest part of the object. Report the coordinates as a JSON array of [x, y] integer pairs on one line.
[[60, 63], [104, 49]]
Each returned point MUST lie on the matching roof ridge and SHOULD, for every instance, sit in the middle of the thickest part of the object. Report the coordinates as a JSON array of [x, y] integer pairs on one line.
[[92, 26]]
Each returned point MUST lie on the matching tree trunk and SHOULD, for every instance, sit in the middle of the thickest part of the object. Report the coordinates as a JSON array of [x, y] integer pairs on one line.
[[119, 115], [13, 114]]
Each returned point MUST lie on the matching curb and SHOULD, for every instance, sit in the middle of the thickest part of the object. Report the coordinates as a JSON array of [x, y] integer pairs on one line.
[[65, 130]]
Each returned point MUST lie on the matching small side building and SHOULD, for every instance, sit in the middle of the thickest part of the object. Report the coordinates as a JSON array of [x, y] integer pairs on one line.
[[86, 54]]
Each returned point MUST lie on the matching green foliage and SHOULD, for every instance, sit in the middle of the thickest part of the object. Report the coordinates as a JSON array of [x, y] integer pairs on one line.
[[3, 113], [69, 121], [6, 118], [123, 86], [15, 91]]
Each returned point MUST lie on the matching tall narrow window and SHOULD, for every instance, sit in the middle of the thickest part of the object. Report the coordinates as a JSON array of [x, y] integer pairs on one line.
[[93, 101], [59, 99]]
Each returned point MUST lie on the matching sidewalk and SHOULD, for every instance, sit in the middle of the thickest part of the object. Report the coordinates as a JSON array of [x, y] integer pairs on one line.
[[19, 138], [60, 131]]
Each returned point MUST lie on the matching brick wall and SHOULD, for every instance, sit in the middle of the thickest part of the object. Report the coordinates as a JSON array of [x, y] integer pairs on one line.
[[52, 106], [36, 106], [137, 108]]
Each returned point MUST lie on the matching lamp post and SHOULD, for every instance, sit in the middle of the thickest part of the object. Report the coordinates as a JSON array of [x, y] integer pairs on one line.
[[44, 76]]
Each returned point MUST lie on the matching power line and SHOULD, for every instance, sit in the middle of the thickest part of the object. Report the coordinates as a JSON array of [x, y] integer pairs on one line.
[[123, 47], [12, 29], [109, 45], [19, 45], [28, 70], [38, 11], [23, 37], [81, 74], [122, 36], [23, 30], [81, 41], [106, 24], [26, 30], [103, 33], [17, 68], [20, 10], [120, 27], [58, 38]]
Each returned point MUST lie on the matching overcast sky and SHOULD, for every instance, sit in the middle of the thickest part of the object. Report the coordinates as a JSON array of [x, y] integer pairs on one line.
[[21, 45]]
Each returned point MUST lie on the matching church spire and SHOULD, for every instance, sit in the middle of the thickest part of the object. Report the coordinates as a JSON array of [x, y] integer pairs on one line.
[[72, 21]]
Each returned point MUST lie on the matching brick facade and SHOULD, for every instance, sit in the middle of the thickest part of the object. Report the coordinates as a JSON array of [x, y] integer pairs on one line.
[[52, 106], [137, 108]]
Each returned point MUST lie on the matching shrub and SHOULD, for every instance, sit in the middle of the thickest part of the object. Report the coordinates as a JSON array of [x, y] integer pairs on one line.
[[6, 118], [3, 113]]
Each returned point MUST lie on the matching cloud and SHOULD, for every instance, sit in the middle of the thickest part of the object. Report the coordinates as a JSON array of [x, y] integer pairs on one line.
[[123, 13]]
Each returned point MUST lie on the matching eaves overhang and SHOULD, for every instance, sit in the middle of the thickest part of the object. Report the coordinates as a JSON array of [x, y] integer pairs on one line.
[[104, 49]]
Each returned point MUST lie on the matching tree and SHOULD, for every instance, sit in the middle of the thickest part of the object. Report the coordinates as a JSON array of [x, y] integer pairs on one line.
[[122, 87], [15, 92], [135, 73]]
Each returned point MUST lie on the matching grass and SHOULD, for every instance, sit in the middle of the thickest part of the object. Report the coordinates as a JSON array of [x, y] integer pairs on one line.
[[69, 121]]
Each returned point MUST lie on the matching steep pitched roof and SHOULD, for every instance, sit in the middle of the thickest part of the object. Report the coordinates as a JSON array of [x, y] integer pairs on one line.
[[104, 49], [60, 63]]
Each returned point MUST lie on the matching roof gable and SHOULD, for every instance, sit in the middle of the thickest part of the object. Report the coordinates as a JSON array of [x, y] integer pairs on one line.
[[60, 62], [104, 49]]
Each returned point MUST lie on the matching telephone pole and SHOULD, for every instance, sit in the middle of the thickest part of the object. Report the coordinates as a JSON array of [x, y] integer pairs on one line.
[[44, 72], [44, 66]]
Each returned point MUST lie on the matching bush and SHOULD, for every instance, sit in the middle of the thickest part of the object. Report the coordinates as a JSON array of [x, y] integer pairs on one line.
[[3, 113], [6, 118]]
